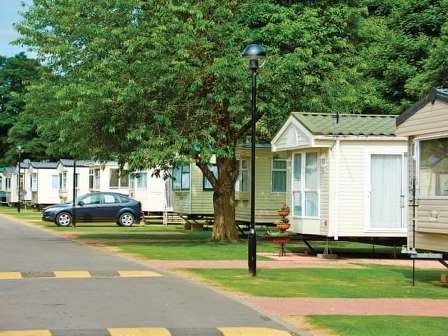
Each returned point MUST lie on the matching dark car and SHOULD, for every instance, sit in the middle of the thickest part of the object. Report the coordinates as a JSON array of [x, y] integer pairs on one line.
[[96, 207]]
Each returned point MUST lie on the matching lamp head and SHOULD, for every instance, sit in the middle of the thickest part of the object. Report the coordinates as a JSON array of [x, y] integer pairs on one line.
[[19, 148], [254, 51]]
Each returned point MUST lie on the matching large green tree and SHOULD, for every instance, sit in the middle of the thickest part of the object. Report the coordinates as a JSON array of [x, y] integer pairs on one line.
[[158, 82], [407, 52], [15, 74]]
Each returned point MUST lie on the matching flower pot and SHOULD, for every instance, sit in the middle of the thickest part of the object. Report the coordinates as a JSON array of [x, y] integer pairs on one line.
[[283, 226], [283, 213]]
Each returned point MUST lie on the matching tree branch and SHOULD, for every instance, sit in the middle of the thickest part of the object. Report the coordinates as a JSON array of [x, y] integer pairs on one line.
[[246, 127], [206, 171]]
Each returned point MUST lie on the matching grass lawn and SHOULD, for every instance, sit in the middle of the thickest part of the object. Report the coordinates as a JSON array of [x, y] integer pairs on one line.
[[372, 282], [382, 325], [197, 250]]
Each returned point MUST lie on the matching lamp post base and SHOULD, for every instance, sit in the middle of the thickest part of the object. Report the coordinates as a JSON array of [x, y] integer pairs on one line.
[[252, 242]]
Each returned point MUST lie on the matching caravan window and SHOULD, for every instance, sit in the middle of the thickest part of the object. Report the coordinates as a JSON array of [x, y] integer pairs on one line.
[[305, 185], [433, 168], [118, 178], [206, 183], [242, 181], [181, 177], [54, 182], [94, 178], [278, 175], [63, 181]]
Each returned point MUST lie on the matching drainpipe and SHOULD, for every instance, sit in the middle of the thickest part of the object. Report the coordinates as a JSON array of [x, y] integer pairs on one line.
[[336, 188]]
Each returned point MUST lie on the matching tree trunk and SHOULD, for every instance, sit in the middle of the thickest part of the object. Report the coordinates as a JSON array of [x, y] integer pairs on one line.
[[224, 227]]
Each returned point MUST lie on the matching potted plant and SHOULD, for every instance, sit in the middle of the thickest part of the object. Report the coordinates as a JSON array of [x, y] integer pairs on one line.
[[283, 211], [283, 225]]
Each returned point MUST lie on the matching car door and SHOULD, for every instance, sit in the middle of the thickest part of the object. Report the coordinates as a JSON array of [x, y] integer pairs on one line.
[[110, 207], [89, 209]]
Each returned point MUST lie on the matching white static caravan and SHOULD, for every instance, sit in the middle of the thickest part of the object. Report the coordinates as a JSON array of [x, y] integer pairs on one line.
[[426, 125], [6, 184], [88, 178], [153, 192], [25, 184], [346, 175], [44, 182]]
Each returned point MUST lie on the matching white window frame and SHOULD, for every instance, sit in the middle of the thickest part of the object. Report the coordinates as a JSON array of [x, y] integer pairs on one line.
[[285, 170], [7, 183], [182, 173], [1, 183], [96, 178], [34, 182], [417, 167], [133, 180], [57, 184], [303, 190], [63, 181], [120, 176], [239, 181]]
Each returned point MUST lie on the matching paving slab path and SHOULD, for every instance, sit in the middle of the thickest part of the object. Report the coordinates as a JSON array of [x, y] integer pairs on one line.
[[51, 283], [291, 261], [319, 306], [242, 264]]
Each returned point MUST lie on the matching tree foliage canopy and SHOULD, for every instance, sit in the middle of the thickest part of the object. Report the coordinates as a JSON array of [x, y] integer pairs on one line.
[[154, 75], [15, 74]]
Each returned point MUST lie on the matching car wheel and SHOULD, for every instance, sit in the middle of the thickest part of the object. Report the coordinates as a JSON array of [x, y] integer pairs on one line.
[[64, 219], [126, 219]]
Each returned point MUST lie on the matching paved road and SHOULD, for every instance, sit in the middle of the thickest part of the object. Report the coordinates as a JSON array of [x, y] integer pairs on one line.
[[89, 305]]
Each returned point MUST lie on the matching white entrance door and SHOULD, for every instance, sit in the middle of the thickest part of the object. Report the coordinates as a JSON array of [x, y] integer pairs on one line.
[[386, 191]]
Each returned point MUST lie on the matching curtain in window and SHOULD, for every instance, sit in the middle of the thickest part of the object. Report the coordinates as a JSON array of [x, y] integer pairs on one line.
[[176, 178], [54, 182], [278, 175], [114, 177], [433, 173], [311, 185], [142, 181], [386, 179], [238, 177], [186, 176], [297, 203]]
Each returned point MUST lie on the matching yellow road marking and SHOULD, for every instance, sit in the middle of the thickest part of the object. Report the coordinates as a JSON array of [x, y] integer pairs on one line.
[[25, 333], [10, 275], [138, 274], [72, 274], [237, 331], [138, 332]]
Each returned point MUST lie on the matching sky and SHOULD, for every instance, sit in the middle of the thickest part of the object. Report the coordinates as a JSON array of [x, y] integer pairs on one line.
[[8, 15]]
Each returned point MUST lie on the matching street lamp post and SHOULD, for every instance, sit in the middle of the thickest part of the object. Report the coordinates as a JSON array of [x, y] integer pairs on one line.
[[253, 52], [19, 159], [75, 182]]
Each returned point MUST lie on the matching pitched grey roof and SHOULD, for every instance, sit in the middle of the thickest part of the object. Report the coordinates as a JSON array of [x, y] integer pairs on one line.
[[9, 170], [349, 124], [44, 165], [434, 94], [25, 164], [79, 163]]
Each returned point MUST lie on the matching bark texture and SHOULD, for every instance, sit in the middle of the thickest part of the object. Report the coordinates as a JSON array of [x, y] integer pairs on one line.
[[224, 227]]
